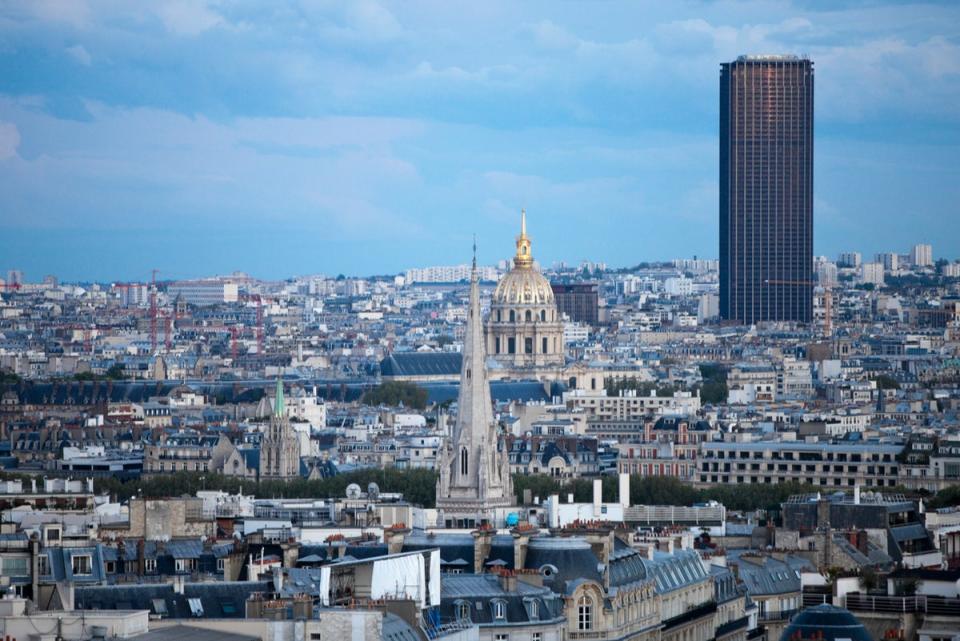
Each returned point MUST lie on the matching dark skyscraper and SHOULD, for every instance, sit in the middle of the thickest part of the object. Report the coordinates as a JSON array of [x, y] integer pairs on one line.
[[766, 189]]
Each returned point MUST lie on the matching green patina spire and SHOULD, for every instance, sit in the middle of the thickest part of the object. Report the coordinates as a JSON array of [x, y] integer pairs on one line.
[[278, 408]]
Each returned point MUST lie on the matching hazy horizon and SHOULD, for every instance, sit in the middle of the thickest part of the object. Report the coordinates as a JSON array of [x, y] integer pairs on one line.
[[367, 138]]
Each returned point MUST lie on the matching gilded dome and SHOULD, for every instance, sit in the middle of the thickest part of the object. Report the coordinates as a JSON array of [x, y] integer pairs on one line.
[[523, 284]]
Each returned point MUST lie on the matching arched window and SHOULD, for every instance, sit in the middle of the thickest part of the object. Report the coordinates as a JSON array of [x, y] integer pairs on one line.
[[543, 315], [463, 461], [499, 609], [513, 317], [498, 315], [462, 609], [527, 316], [585, 613]]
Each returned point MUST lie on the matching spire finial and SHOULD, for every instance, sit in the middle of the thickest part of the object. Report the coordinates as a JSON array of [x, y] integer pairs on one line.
[[474, 252], [523, 258]]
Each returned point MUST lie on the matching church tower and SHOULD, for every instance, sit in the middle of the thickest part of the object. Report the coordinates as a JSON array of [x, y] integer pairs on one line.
[[280, 448], [475, 486]]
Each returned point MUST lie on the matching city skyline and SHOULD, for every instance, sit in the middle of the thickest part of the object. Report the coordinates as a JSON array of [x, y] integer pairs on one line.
[[202, 139]]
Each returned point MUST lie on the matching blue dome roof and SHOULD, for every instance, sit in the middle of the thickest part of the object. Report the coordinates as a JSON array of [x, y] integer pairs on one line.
[[826, 622]]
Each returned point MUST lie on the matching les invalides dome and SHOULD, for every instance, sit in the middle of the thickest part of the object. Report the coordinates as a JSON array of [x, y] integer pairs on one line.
[[524, 328]]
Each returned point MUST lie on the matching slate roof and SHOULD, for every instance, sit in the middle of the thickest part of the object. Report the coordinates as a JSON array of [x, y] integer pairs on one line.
[[674, 571], [479, 592], [766, 575], [190, 633], [221, 599], [422, 364], [569, 559]]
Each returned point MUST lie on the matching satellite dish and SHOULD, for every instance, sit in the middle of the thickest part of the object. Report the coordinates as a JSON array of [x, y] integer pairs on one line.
[[373, 491], [353, 491]]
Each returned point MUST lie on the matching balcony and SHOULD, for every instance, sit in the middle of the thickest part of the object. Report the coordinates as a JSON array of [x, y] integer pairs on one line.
[[902, 604]]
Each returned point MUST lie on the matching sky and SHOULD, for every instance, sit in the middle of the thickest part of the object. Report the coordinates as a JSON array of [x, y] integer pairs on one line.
[[361, 137]]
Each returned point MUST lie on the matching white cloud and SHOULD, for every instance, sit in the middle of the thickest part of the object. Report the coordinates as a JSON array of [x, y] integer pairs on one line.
[[75, 13], [80, 54], [188, 18], [9, 140]]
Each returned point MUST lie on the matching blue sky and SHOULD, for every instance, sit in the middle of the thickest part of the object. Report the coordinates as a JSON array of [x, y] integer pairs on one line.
[[365, 137]]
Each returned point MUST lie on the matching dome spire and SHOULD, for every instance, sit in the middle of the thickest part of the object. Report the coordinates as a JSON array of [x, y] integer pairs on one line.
[[523, 258]]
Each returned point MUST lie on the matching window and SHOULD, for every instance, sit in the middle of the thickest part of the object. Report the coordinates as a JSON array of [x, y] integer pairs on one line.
[[44, 564], [533, 609], [511, 345], [544, 350], [463, 462], [528, 345], [527, 317], [185, 565], [159, 606], [536, 636], [80, 564], [15, 567], [149, 565], [462, 609], [543, 315], [220, 565], [501, 636], [499, 609], [513, 316], [53, 534], [196, 607], [316, 636], [585, 613]]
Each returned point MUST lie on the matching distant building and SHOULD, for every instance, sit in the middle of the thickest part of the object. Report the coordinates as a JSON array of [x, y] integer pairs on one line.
[[922, 255], [849, 259], [204, 292], [872, 273], [578, 301], [448, 274], [889, 260], [766, 189], [827, 465]]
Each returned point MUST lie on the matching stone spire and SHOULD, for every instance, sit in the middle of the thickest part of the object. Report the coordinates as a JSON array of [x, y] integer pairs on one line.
[[278, 404], [475, 473]]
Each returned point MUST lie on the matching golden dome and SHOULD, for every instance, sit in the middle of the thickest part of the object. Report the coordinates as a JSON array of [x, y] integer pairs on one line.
[[524, 284]]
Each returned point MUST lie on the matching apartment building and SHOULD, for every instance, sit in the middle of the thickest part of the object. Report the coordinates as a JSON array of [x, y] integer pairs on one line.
[[820, 464]]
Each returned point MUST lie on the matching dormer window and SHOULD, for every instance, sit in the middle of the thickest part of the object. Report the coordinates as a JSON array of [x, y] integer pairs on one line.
[[462, 610], [80, 564], [499, 610]]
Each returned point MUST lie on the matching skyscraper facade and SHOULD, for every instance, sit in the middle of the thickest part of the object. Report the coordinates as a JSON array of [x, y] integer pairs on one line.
[[766, 189]]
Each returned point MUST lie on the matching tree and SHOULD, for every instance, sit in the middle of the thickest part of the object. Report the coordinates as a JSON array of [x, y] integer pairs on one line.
[[395, 392], [714, 386], [885, 381], [115, 373]]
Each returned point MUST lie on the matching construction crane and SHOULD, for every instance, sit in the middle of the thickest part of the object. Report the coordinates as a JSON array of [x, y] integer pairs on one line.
[[827, 300]]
